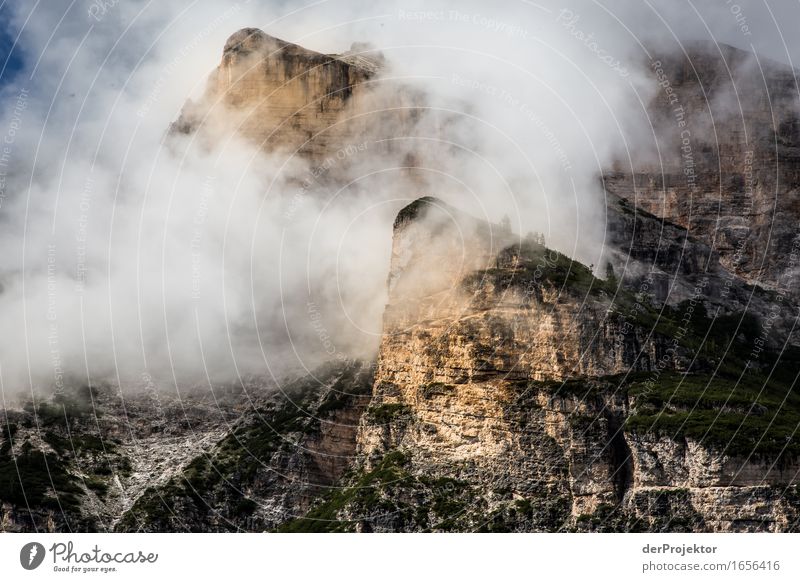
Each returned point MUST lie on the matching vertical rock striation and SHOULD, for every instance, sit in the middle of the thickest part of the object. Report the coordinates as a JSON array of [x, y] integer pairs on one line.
[[728, 131], [508, 369], [289, 99]]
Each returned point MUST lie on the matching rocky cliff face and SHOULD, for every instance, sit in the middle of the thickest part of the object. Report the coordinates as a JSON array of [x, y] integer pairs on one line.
[[728, 134], [541, 403], [661, 261], [79, 460], [291, 100], [244, 458], [514, 390], [291, 447]]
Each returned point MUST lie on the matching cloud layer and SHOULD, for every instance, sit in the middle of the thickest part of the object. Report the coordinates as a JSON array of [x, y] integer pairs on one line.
[[127, 252]]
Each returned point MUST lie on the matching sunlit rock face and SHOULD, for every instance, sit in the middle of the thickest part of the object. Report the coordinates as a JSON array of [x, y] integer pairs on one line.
[[287, 98], [476, 326], [515, 375], [727, 165], [480, 302]]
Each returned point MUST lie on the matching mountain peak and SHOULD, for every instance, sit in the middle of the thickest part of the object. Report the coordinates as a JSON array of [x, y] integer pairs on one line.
[[416, 210], [294, 98], [248, 40]]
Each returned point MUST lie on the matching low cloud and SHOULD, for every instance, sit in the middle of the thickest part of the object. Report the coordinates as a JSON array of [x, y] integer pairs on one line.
[[132, 253]]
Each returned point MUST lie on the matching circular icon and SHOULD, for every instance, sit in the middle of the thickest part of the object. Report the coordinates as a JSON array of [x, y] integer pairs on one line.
[[31, 555]]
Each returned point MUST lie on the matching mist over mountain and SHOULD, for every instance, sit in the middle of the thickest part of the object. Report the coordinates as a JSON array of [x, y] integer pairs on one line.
[[399, 268]]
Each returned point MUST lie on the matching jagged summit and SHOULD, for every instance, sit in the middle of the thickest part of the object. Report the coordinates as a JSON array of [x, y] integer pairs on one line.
[[437, 211], [249, 41], [285, 97], [418, 209], [435, 245]]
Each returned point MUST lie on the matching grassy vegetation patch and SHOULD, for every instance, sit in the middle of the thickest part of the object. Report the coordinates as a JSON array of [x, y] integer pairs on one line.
[[389, 412], [99, 486], [38, 480], [276, 430], [435, 389], [740, 416], [64, 407], [543, 510], [78, 444], [531, 265], [363, 494]]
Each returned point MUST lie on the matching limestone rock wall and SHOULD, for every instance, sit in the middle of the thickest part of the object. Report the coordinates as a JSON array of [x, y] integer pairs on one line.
[[729, 166], [286, 98], [519, 390]]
